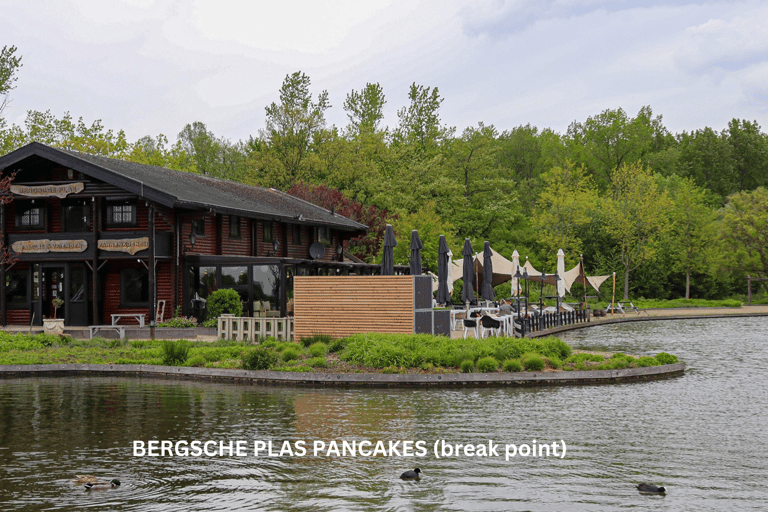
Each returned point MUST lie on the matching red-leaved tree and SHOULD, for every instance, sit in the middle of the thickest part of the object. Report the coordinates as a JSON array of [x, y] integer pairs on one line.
[[364, 247], [6, 197]]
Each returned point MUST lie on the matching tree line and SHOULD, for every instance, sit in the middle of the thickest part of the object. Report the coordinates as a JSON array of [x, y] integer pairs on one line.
[[673, 214]]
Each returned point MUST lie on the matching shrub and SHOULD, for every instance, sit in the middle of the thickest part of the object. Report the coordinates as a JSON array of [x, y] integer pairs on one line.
[[211, 322], [138, 343], [467, 366], [512, 365], [664, 358], [175, 352], [554, 362], [316, 362], [179, 321], [646, 361], [260, 358], [533, 362], [318, 349], [224, 301], [316, 338], [580, 358], [197, 360], [337, 345], [290, 354], [487, 364]]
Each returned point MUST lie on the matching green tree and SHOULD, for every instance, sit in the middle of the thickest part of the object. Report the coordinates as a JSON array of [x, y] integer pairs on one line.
[[419, 122], [365, 109], [290, 128], [692, 223], [635, 216], [9, 65], [65, 133], [567, 199], [744, 229], [430, 226], [520, 152], [749, 149], [705, 157]]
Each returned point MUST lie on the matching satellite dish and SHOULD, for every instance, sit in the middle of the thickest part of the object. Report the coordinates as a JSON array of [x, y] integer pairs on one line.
[[316, 250]]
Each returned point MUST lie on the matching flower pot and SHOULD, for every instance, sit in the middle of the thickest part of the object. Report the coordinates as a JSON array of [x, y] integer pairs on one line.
[[53, 326]]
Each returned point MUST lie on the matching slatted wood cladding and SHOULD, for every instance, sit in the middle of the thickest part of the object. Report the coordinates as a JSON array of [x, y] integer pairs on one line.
[[344, 305]]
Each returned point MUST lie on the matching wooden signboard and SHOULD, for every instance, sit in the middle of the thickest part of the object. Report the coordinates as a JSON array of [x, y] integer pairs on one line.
[[60, 191], [129, 245], [44, 246]]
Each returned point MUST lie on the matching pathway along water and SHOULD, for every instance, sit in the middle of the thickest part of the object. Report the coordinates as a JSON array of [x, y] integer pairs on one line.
[[702, 436]]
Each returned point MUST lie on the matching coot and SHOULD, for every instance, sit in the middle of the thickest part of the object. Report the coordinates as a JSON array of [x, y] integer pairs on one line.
[[411, 474], [650, 488]]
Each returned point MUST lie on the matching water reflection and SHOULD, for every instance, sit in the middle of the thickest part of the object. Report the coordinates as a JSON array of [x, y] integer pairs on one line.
[[699, 435]]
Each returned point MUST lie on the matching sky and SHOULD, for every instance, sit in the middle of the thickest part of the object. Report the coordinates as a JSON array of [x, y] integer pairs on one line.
[[153, 66]]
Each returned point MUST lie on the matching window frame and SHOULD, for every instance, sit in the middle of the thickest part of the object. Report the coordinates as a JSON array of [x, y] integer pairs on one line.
[[129, 275], [110, 214], [65, 206], [296, 234], [268, 227], [235, 232], [23, 207]]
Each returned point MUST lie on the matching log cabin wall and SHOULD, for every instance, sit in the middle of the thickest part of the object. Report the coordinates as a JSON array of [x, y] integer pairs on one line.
[[340, 306]]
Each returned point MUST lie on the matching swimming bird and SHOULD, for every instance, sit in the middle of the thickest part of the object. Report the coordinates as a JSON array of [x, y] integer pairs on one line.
[[651, 488], [102, 485], [410, 475]]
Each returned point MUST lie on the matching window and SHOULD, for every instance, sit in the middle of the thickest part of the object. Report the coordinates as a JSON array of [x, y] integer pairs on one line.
[[198, 227], [296, 234], [324, 235], [121, 214], [16, 287], [234, 226], [76, 217], [30, 215], [134, 287], [268, 233]]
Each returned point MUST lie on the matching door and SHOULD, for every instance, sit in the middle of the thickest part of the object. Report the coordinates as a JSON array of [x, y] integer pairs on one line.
[[77, 294], [53, 292]]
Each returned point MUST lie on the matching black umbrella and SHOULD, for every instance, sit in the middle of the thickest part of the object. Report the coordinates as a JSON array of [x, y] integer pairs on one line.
[[468, 292], [443, 296], [487, 293], [416, 247], [388, 257]]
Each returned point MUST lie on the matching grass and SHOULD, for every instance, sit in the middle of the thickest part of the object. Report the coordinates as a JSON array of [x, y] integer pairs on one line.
[[686, 303], [372, 352]]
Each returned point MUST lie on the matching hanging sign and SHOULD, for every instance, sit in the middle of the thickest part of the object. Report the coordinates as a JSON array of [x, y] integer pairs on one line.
[[129, 245], [60, 191], [44, 245]]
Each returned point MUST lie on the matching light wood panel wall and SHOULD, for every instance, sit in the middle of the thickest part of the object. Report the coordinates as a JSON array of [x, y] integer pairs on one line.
[[344, 305]]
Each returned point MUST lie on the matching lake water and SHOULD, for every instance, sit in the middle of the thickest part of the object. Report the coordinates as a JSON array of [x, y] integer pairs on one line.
[[703, 436]]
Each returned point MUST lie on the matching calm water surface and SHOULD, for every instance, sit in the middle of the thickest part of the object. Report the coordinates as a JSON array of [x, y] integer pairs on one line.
[[703, 436]]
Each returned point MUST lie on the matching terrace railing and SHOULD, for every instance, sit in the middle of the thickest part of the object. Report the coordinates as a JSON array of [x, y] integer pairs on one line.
[[525, 326]]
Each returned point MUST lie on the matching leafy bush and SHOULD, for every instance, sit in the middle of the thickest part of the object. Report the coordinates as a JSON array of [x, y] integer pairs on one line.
[[224, 301], [532, 362], [487, 364], [138, 343], [337, 345], [197, 361], [211, 322], [260, 358], [646, 361], [318, 349], [175, 352], [512, 365], [467, 366], [316, 362], [554, 362], [180, 322], [290, 354], [316, 338], [664, 358], [579, 358]]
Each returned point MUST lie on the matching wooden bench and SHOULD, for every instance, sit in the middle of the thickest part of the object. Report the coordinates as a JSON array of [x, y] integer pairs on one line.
[[120, 329]]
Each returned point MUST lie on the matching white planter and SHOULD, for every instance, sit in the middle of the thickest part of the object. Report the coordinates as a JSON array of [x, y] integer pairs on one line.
[[53, 326]]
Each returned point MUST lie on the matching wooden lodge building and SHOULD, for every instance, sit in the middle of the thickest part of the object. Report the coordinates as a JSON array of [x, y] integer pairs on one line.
[[113, 237]]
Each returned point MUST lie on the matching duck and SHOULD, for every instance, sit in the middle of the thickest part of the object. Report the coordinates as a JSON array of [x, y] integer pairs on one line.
[[651, 488], [411, 474], [102, 485]]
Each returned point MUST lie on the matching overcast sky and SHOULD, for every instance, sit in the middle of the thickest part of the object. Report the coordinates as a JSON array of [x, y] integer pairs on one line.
[[151, 67]]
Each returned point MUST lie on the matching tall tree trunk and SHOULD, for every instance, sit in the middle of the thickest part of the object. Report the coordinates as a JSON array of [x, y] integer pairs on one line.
[[687, 283], [626, 283]]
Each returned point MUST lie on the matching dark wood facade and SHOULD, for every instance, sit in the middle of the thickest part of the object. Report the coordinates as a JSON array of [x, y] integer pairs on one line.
[[112, 237]]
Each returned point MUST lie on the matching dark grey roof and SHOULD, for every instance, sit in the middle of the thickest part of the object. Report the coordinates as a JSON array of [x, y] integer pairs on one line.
[[188, 190]]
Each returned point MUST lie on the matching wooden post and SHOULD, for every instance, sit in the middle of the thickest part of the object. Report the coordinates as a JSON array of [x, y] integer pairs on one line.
[[151, 283], [749, 292], [613, 294], [95, 203]]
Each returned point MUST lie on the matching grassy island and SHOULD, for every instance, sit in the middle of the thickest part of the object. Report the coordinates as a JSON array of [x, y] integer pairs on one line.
[[362, 353]]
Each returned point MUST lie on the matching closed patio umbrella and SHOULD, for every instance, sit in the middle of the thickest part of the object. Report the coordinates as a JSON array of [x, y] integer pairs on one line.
[[487, 290], [468, 292], [388, 257], [443, 260], [416, 247]]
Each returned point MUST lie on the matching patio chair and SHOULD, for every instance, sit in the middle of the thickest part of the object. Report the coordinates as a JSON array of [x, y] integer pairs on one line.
[[470, 324], [491, 325]]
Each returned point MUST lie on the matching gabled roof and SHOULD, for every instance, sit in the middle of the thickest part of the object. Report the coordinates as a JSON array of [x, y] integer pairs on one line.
[[187, 190]]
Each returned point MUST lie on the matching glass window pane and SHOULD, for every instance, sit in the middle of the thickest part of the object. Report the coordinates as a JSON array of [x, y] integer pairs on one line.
[[266, 283]]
